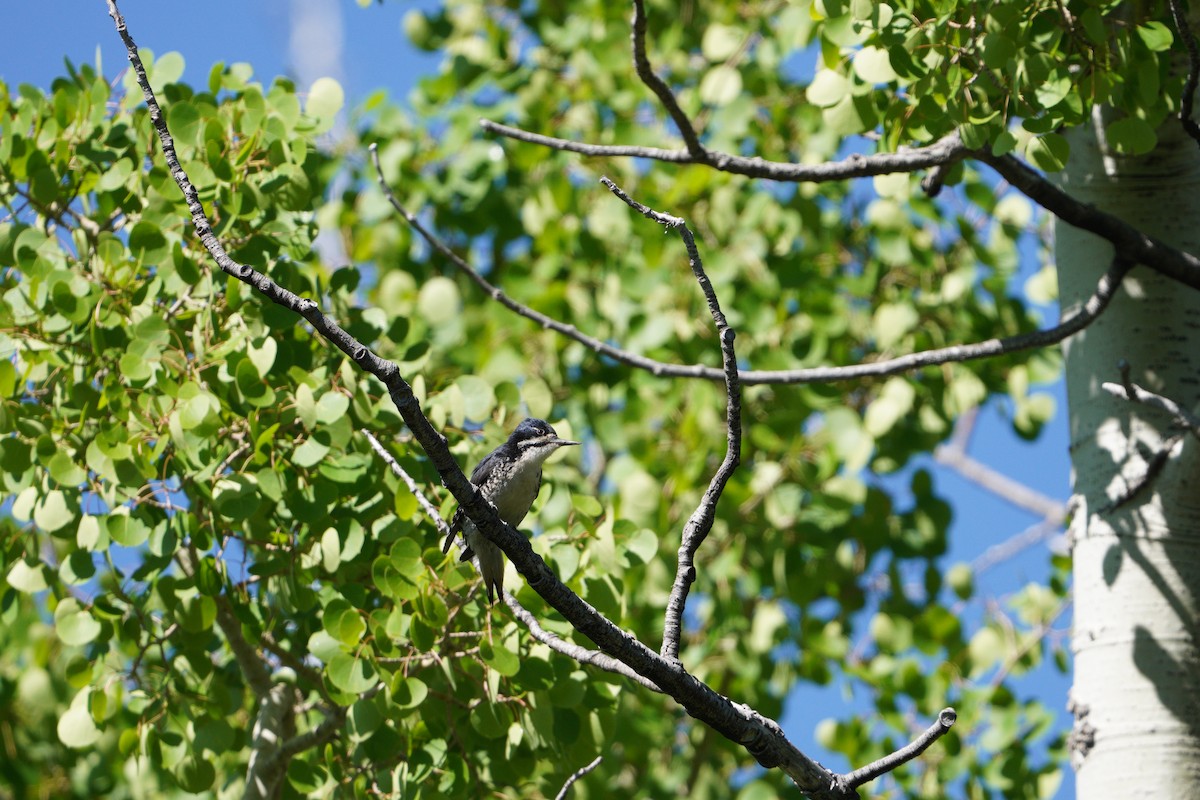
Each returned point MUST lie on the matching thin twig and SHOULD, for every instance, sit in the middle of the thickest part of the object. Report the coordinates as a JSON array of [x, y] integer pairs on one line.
[[937, 730], [1193, 77], [1134, 393], [401, 473], [641, 63], [943, 153], [1003, 551], [700, 522], [1035, 638], [1184, 420], [576, 775], [580, 654]]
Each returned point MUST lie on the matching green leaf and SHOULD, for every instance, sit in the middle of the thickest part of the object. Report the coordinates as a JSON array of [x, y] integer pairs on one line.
[[331, 407], [363, 719], [478, 397], [408, 692], [236, 497], [350, 674], [343, 622], [197, 613], [28, 578], [126, 530], [53, 513], [74, 625], [331, 550], [873, 65], [720, 41], [439, 302], [1131, 136], [325, 100], [262, 355], [76, 728], [892, 323], [168, 68], [643, 545], [1048, 151], [828, 88], [893, 404], [721, 85], [407, 559], [195, 774], [1156, 36], [90, 535], [310, 452], [499, 658]]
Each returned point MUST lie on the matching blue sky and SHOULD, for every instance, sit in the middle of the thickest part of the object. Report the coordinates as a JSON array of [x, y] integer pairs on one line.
[[365, 49]]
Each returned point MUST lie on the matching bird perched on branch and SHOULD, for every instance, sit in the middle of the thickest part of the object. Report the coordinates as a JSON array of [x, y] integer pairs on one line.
[[509, 477]]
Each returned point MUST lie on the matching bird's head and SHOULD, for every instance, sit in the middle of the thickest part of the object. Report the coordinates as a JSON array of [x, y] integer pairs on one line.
[[535, 438]]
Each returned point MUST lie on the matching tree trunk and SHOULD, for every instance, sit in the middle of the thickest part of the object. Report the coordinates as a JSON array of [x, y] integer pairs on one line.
[[1136, 695]]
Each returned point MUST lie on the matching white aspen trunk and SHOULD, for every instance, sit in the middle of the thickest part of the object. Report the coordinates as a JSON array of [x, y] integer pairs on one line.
[[1136, 638]]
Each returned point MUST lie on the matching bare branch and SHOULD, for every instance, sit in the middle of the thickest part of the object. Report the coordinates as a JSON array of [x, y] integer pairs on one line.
[[1134, 393], [1130, 243], [1003, 551], [937, 730], [1193, 77], [680, 156], [265, 768], [314, 737], [401, 473], [580, 654], [1184, 420], [944, 152], [641, 63], [955, 456], [576, 775], [700, 522]]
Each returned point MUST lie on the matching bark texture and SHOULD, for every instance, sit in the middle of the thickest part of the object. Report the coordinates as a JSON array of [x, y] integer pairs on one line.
[[1136, 697]]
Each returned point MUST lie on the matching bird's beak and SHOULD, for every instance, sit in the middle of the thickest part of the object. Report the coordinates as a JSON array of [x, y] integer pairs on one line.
[[565, 442]]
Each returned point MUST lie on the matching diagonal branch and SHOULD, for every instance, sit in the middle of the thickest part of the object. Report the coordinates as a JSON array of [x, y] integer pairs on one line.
[[762, 737], [581, 654], [576, 775], [955, 456], [401, 473], [701, 520], [641, 63], [937, 730], [946, 151], [1130, 243]]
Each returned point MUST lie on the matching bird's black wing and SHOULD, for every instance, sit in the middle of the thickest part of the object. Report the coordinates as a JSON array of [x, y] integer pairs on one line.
[[479, 477]]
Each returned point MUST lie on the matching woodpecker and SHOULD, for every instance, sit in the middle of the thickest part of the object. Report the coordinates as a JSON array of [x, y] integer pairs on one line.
[[509, 478]]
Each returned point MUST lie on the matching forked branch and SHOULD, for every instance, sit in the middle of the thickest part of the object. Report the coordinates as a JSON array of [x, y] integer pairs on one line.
[[701, 521]]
